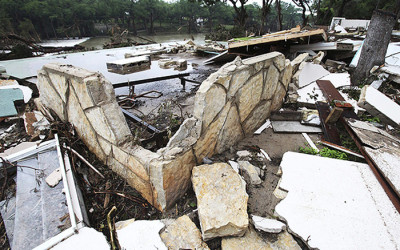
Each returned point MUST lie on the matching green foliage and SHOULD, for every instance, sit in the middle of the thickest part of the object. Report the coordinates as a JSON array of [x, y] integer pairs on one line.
[[331, 153], [325, 152], [308, 150], [370, 118]]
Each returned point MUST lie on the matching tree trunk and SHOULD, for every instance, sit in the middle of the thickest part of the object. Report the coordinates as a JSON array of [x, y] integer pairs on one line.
[[341, 8], [375, 45], [278, 10]]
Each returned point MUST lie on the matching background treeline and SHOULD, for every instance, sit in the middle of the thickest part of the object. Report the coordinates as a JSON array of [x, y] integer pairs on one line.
[[44, 19]]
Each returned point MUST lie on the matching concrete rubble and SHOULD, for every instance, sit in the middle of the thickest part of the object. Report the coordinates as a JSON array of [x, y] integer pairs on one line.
[[221, 200], [267, 225], [233, 148], [250, 173]]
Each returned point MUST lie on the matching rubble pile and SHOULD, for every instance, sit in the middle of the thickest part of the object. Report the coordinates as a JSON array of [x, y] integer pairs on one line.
[[228, 178]]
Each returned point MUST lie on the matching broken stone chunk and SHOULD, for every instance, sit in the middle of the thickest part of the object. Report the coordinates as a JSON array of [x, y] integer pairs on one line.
[[183, 234], [267, 225], [54, 178], [243, 154], [251, 240], [251, 172], [221, 200]]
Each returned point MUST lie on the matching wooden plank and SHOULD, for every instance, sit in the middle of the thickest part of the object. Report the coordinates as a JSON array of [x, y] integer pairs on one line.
[[271, 39], [331, 134], [330, 92], [334, 115]]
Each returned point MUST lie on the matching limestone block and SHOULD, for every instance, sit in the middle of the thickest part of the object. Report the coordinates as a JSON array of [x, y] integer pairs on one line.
[[176, 177], [187, 134], [251, 172], [81, 91], [221, 200], [286, 75], [128, 160], [251, 240], [238, 80], [83, 127], [183, 234], [100, 89], [263, 61], [231, 132], [208, 104], [117, 122], [60, 84], [143, 187], [299, 59], [224, 79], [249, 95], [257, 117], [49, 96], [278, 97], [215, 100], [271, 77], [205, 145], [105, 145], [279, 62], [98, 120]]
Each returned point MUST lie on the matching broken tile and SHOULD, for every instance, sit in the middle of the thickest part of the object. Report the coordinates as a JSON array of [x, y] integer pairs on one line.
[[342, 194], [7, 99], [141, 234], [54, 178], [267, 225], [310, 73]]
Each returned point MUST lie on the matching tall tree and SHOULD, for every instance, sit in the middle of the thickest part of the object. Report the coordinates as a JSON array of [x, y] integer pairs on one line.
[[279, 12], [302, 4], [375, 45], [265, 8], [241, 14]]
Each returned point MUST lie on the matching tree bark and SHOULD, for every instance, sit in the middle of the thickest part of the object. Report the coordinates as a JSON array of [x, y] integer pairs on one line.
[[278, 10], [375, 45]]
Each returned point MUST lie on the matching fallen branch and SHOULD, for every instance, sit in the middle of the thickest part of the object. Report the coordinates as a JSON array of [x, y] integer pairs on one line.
[[84, 160], [111, 227], [129, 197]]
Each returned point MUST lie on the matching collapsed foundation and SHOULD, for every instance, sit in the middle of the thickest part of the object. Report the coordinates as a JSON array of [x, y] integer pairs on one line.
[[229, 104]]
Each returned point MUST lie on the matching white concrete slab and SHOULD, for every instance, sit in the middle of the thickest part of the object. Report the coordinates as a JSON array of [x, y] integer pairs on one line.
[[336, 204], [310, 73], [310, 94], [293, 127], [338, 79], [378, 104], [141, 234]]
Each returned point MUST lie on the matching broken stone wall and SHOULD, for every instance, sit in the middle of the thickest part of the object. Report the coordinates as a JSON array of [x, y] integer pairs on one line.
[[229, 104]]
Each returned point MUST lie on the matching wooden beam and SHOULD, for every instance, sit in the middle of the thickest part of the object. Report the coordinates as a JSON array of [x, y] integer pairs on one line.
[[281, 37]]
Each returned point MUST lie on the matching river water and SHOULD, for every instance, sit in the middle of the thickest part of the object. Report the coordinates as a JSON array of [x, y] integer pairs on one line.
[[97, 42]]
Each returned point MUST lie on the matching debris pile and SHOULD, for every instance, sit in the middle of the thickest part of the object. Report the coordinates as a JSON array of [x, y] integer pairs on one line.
[[273, 153]]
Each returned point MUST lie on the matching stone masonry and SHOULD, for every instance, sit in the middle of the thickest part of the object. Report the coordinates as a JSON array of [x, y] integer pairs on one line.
[[232, 102]]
